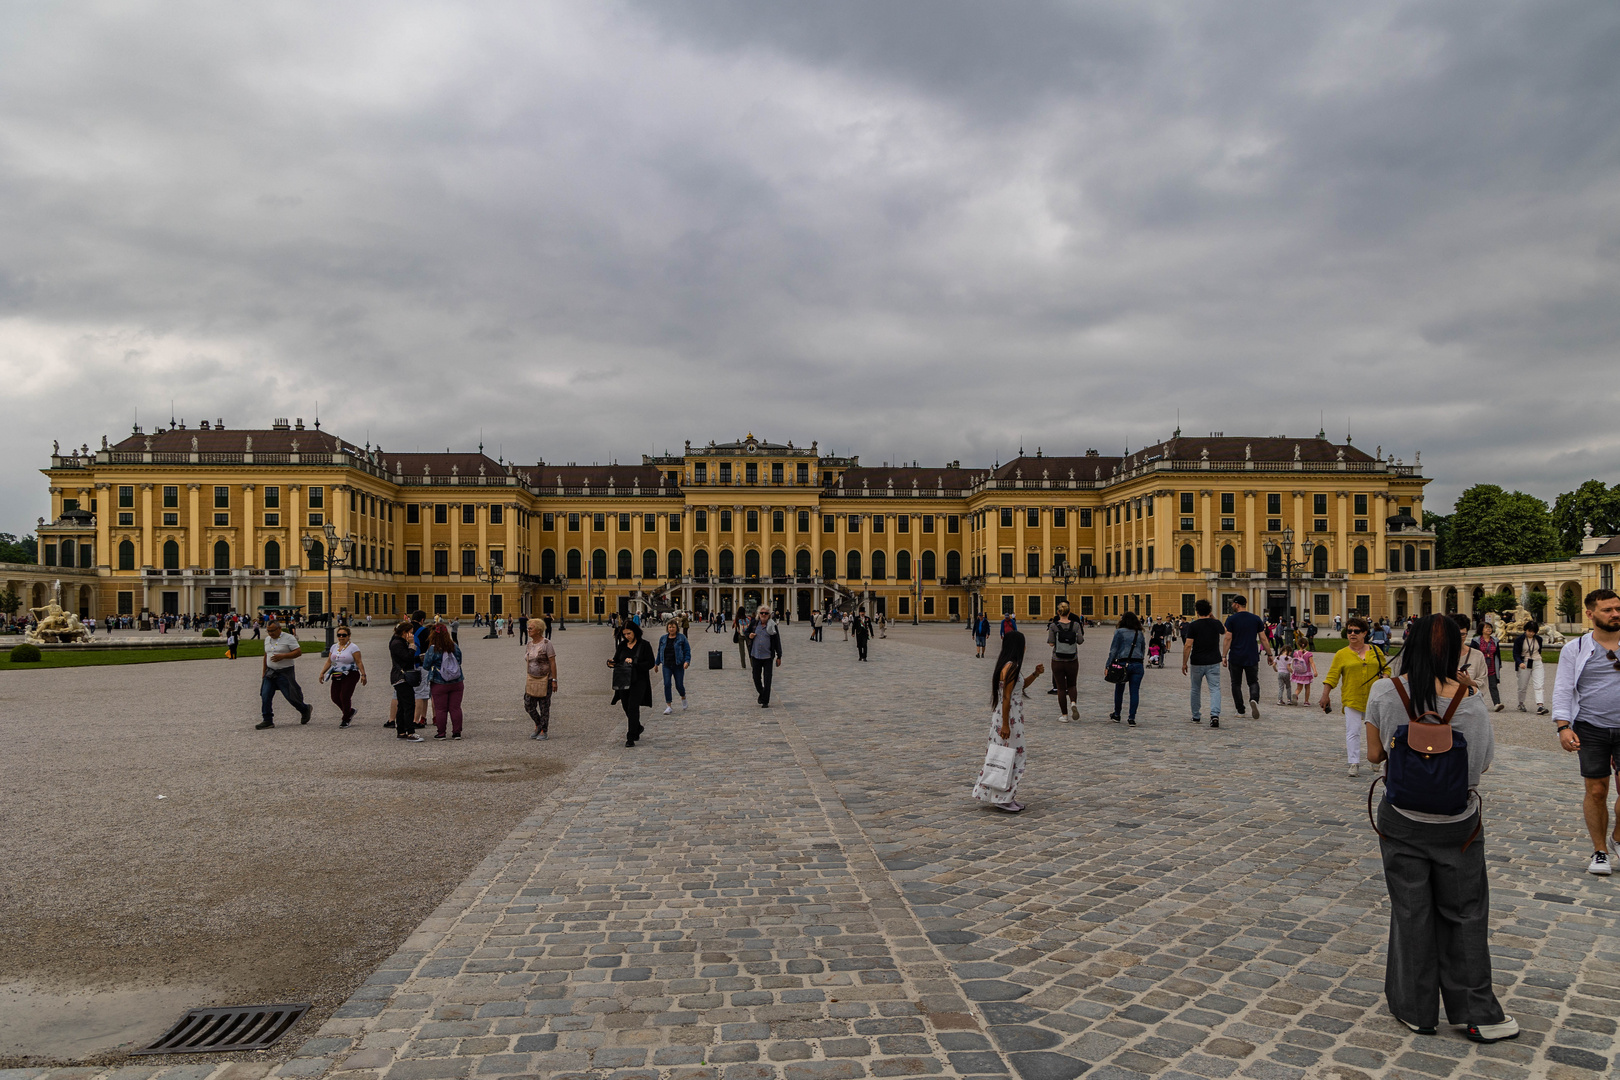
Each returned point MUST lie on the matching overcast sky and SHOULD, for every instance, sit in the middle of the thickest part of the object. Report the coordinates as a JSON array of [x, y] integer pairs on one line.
[[906, 229]]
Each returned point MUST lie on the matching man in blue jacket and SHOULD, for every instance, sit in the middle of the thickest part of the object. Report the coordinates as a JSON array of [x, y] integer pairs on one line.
[[674, 656]]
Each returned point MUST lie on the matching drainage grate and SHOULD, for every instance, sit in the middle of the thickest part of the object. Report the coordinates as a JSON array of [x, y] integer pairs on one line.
[[239, 1027]]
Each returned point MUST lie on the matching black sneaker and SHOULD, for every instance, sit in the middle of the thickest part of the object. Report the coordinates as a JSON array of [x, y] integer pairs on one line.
[[456, 737], [344, 724], [1214, 722], [265, 724], [1131, 721], [1196, 720], [388, 723], [309, 711]]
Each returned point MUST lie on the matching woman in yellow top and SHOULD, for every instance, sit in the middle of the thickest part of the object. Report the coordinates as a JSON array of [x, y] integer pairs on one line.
[[1359, 665]]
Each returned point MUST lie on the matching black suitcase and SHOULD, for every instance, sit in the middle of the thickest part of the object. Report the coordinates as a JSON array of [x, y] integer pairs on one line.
[[717, 659]]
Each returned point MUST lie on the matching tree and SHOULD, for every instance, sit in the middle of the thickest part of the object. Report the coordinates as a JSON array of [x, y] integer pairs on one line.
[[1493, 527], [9, 602], [1536, 603], [1441, 527], [1591, 502], [1571, 607], [1497, 602], [13, 550]]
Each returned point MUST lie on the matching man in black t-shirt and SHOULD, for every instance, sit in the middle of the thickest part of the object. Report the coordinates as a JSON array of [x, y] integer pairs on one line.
[[1201, 652], [1245, 637]]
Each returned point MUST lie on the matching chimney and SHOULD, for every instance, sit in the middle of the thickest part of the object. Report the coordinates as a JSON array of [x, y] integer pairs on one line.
[[219, 425], [280, 424], [299, 425]]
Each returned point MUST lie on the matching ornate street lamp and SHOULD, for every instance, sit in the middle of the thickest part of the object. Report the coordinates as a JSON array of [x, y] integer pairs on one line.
[[1285, 553], [493, 575], [331, 557]]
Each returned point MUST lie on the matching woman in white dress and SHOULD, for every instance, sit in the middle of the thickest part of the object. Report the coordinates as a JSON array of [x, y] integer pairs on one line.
[[1007, 720]]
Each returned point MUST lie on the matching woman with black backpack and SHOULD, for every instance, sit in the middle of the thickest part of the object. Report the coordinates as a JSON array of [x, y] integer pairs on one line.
[[1437, 740]]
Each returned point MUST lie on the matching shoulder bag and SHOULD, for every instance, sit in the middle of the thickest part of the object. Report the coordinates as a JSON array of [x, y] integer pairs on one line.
[[1118, 670]]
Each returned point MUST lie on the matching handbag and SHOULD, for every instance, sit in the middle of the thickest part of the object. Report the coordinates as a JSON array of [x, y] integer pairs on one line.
[[998, 767], [412, 677], [1118, 670]]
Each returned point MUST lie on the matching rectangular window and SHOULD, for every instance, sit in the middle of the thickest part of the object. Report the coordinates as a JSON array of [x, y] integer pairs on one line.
[[497, 514], [952, 523], [1186, 502], [126, 519], [573, 523], [902, 523], [778, 521], [272, 497], [413, 514], [700, 520], [469, 562], [599, 522], [1034, 607], [803, 473], [751, 472], [412, 602], [1150, 560], [441, 563], [317, 520], [497, 557], [752, 520], [126, 603], [1060, 518], [776, 472], [1189, 602], [1363, 604], [1274, 503], [1322, 603], [1228, 502], [467, 602], [877, 522], [1032, 518], [1361, 504], [1006, 564], [271, 521], [413, 562], [674, 523], [1228, 524], [171, 495], [1086, 606], [1319, 524], [50, 554], [1007, 604], [441, 604], [1006, 517], [1319, 503], [725, 521], [725, 472], [1085, 518], [1150, 514], [928, 523], [441, 513], [1274, 524], [1361, 525], [624, 522], [126, 495], [1423, 559], [804, 521], [171, 519], [1188, 524], [469, 514], [649, 523], [854, 522], [928, 605], [548, 522], [827, 525], [700, 472], [573, 605], [1032, 564], [317, 498]]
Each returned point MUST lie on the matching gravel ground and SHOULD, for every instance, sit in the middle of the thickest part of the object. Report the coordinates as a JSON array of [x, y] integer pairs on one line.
[[278, 866]]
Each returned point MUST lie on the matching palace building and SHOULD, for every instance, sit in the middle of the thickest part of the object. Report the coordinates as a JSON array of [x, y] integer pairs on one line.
[[213, 519]]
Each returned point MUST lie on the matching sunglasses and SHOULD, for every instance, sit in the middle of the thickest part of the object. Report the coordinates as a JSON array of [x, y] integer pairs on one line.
[[1614, 658], [1352, 630]]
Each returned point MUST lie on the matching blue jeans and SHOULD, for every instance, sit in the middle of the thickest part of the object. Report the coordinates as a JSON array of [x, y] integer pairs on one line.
[[1199, 673], [285, 681], [678, 673], [1134, 670]]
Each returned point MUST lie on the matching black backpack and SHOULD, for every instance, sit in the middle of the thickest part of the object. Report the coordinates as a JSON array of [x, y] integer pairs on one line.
[[1067, 633], [1427, 768]]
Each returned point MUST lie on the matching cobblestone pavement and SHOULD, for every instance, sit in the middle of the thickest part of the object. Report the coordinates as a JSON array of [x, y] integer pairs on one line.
[[809, 893]]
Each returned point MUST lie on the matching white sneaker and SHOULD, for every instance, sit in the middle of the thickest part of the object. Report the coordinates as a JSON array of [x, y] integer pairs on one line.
[[1063, 718], [1600, 864], [668, 710], [683, 704], [1614, 850], [1489, 1033], [1355, 769]]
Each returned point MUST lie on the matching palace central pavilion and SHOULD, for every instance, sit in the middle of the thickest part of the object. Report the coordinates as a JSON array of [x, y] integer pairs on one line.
[[211, 519]]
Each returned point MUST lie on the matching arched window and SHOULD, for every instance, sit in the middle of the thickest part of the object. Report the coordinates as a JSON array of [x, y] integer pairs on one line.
[[222, 555], [854, 566], [126, 555], [574, 561], [751, 564], [880, 565], [598, 564], [1319, 561], [649, 563], [929, 566], [272, 555], [1228, 560], [902, 565], [700, 562], [802, 563], [953, 567], [1358, 562], [1274, 564], [625, 562], [1189, 559], [728, 563], [675, 567], [548, 564], [778, 563], [317, 555], [70, 556], [1409, 556], [829, 565], [171, 555]]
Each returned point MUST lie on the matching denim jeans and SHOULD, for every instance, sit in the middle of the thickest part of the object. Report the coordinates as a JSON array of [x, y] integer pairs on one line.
[[1199, 673], [285, 681], [1134, 671], [677, 674]]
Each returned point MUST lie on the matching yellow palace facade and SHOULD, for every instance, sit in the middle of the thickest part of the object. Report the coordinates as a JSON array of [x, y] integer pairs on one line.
[[212, 519]]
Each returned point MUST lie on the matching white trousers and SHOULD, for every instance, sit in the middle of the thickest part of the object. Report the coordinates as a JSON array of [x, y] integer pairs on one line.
[[1355, 734], [1533, 677]]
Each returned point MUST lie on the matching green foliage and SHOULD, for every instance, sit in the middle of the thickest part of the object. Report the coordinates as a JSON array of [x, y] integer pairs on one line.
[[56, 658], [1440, 525], [1497, 602], [1571, 607], [25, 654], [1493, 527], [10, 602], [1591, 502], [14, 550], [210, 632], [1536, 601]]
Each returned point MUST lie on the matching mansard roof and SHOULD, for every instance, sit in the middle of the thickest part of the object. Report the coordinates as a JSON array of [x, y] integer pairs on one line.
[[439, 464], [624, 477], [234, 440], [927, 479]]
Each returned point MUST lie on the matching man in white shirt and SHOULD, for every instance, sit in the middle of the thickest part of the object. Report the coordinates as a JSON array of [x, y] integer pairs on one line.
[[280, 650]]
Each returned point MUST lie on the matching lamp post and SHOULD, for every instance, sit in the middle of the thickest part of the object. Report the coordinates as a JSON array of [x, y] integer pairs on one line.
[[331, 558], [493, 575], [1285, 552]]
